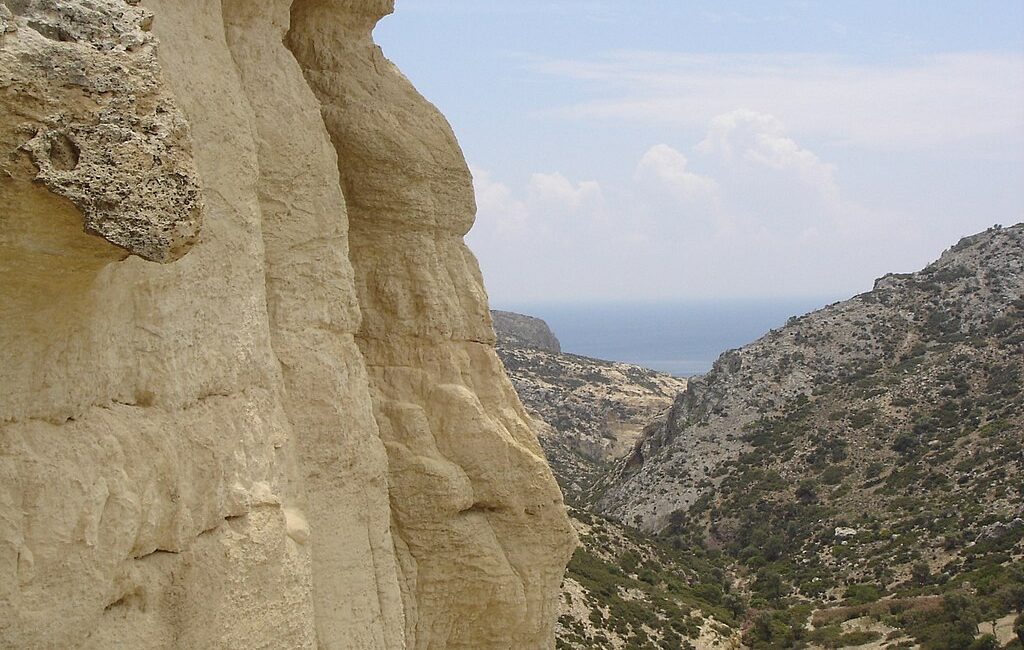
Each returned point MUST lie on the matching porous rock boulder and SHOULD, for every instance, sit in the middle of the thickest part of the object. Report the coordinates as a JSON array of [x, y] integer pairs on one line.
[[248, 390]]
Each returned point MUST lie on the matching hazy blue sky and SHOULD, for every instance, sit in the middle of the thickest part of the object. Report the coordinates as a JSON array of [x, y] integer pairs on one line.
[[683, 149]]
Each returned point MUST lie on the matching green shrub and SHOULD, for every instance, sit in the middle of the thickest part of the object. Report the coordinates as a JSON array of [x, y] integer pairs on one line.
[[806, 492], [985, 642], [833, 475], [906, 444], [862, 594]]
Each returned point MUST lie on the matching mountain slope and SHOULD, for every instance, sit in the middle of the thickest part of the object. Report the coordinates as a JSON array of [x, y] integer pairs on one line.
[[622, 589], [589, 412], [872, 448]]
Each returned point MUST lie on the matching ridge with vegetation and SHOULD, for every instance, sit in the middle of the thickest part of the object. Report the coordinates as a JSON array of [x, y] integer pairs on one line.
[[865, 460]]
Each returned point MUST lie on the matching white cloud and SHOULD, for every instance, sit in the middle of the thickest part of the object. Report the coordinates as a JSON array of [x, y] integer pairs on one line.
[[929, 102], [525, 235], [591, 9], [549, 207], [770, 183], [761, 140], [495, 203], [558, 192], [665, 167], [756, 212]]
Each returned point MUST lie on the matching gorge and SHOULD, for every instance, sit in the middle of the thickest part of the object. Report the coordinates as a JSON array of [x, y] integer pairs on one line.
[[252, 393]]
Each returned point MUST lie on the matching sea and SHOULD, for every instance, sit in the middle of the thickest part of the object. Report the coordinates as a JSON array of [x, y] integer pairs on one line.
[[681, 338]]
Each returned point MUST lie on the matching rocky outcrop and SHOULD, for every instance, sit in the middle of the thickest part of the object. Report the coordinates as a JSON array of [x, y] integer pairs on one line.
[[95, 126], [520, 331], [248, 393]]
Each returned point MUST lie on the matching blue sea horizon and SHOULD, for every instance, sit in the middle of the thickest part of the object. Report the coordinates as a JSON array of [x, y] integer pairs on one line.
[[682, 338]]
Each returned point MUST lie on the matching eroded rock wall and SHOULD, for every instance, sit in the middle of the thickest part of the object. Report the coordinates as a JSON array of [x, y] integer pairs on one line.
[[474, 503], [248, 392]]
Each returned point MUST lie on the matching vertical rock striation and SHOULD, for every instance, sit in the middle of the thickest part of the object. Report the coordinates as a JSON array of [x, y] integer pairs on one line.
[[479, 524], [248, 391], [314, 314]]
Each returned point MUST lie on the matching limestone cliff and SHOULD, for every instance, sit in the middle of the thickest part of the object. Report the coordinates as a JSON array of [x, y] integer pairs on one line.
[[248, 390]]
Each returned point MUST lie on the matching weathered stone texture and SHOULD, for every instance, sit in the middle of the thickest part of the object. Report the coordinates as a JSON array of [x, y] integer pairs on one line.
[[294, 432], [82, 82]]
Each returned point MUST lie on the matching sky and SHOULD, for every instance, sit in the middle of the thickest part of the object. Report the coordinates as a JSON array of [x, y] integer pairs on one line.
[[656, 150]]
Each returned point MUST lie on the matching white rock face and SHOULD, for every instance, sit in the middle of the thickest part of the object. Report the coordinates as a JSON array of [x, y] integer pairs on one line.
[[294, 432]]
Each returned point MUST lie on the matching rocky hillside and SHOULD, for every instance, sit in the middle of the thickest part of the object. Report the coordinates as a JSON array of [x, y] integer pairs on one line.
[[870, 452], [626, 590], [589, 412], [622, 589]]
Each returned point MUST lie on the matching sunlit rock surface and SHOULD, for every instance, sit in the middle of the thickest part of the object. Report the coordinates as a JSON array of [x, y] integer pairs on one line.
[[248, 391]]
